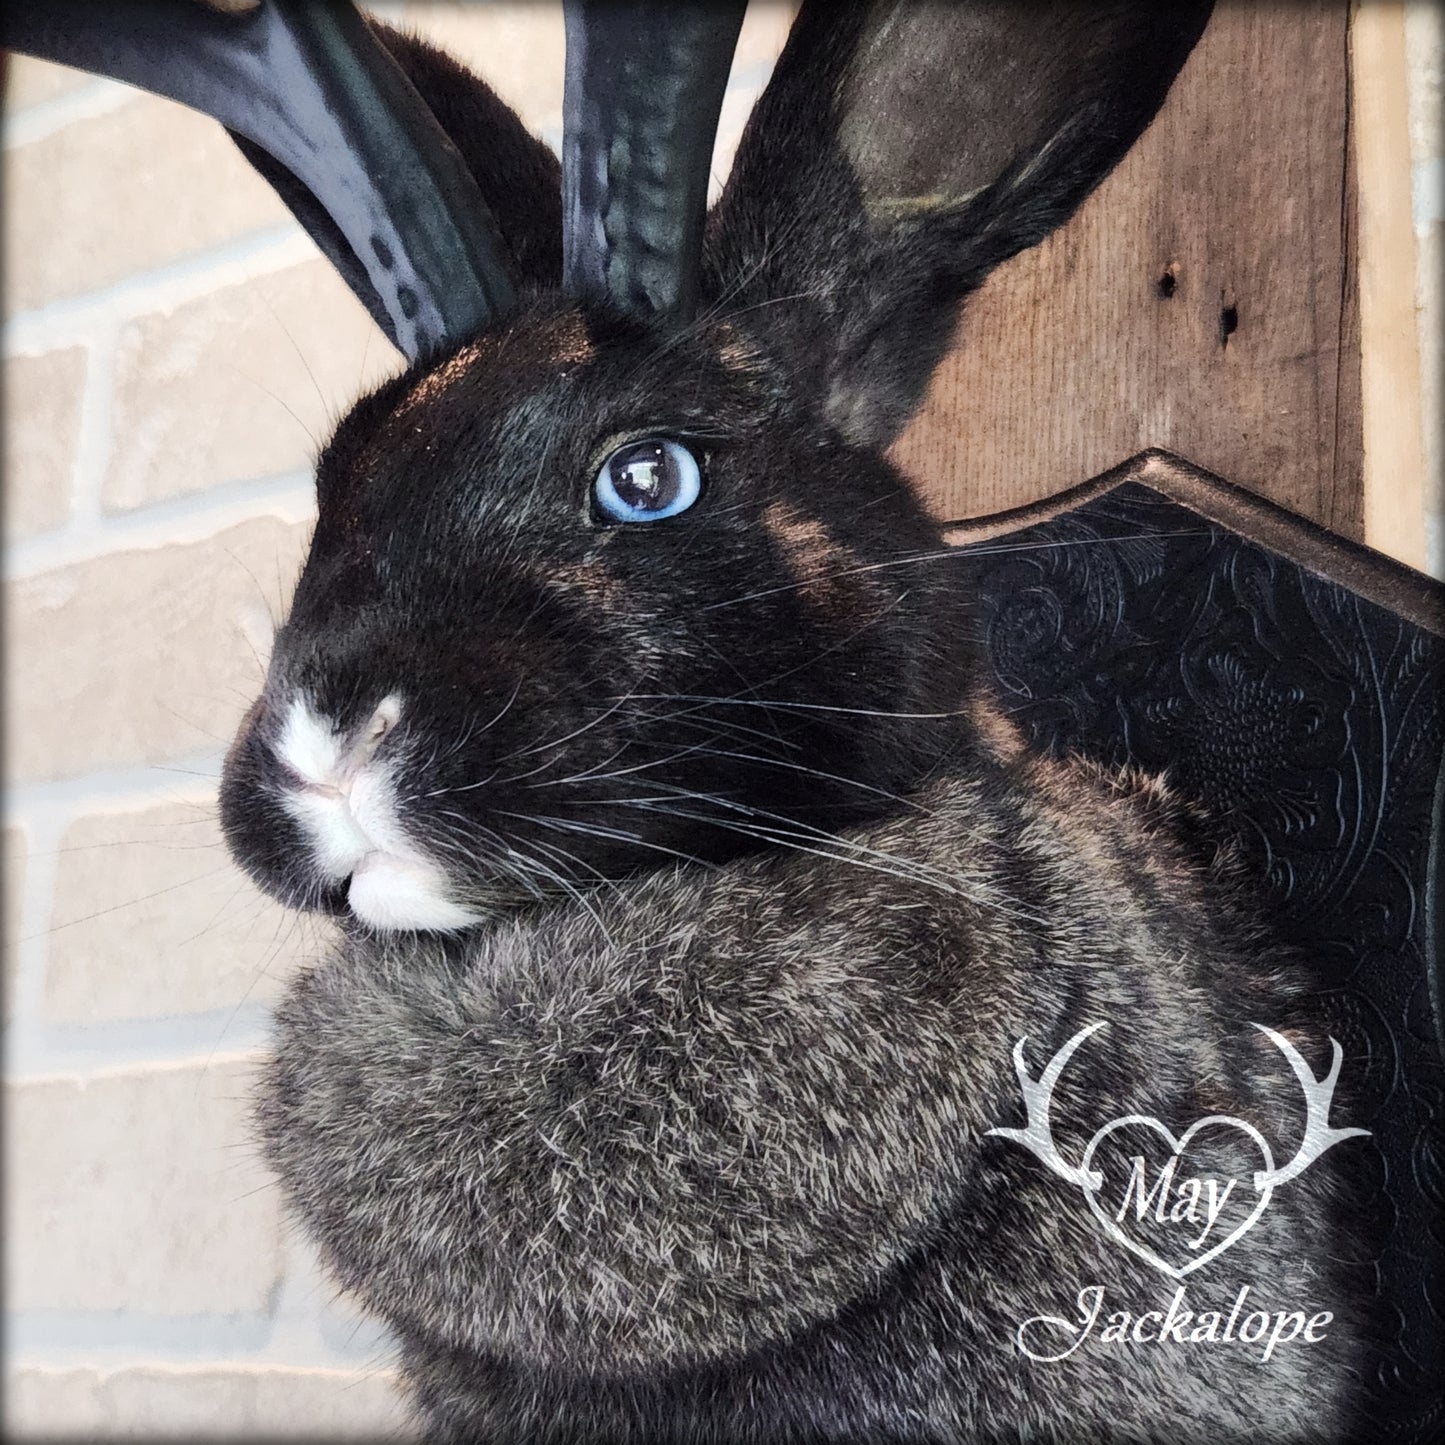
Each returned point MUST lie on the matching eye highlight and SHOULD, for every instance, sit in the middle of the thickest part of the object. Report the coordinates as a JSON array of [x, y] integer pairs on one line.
[[646, 481]]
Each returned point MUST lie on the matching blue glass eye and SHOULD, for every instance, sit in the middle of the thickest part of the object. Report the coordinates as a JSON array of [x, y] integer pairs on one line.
[[646, 481]]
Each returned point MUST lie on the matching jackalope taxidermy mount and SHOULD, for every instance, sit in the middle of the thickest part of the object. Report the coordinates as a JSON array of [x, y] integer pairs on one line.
[[699, 914]]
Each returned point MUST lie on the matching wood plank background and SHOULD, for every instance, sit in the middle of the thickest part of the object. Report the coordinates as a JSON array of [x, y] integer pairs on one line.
[[1204, 299]]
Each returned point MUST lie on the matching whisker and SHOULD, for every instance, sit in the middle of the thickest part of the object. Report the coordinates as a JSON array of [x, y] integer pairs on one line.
[[957, 551], [906, 869], [575, 733], [799, 706], [611, 834]]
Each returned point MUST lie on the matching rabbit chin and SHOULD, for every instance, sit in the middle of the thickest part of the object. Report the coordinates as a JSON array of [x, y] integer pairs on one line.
[[402, 893]]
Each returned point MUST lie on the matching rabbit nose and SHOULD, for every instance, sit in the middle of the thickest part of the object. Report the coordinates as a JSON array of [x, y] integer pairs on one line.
[[343, 805], [323, 758]]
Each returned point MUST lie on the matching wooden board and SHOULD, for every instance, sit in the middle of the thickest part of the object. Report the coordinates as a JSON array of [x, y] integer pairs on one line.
[[1202, 300]]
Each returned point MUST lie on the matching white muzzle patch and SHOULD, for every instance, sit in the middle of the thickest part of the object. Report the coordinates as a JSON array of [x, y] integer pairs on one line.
[[345, 804]]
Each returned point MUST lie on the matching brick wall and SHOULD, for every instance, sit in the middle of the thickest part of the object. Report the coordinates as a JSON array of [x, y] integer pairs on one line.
[[174, 353]]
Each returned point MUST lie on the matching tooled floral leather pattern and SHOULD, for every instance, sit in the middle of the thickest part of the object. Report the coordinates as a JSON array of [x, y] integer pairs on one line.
[[1310, 723]]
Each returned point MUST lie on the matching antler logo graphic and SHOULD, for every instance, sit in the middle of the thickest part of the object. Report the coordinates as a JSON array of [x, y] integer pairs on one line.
[[1171, 1201]]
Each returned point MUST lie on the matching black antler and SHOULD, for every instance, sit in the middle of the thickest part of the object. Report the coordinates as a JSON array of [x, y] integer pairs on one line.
[[307, 83], [645, 82]]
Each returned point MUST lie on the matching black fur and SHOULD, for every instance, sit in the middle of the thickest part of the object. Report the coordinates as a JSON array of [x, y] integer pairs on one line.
[[687, 1139]]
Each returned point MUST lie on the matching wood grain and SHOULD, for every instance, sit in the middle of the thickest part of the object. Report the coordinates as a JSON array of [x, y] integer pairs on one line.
[[1202, 300]]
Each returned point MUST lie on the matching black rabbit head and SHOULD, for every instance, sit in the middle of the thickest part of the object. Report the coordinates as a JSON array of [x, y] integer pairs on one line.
[[617, 574], [587, 597]]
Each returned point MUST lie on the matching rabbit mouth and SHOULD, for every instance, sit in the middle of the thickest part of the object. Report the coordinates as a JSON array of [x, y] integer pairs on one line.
[[391, 892], [387, 882]]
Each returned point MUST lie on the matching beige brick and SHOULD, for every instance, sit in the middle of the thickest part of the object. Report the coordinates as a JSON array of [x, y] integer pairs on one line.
[[144, 655], [765, 29], [151, 918], [246, 382], [231, 1402], [139, 1189], [315, 1404], [42, 397], [29, 81], [764, 32], [43, 1404], [1430, 307], [12, 879], [127, 191]]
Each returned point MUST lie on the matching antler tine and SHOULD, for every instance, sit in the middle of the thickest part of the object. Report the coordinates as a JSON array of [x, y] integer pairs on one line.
[[1319, 1093], [644, 88], [311, 94], [1037, 1135]]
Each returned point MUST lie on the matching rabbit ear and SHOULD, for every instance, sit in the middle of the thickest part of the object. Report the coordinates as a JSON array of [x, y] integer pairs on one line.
[[900, 152], [331, 119]]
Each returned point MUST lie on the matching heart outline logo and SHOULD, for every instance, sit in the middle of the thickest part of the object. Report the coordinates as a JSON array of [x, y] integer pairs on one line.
[[1093, 1186], [1037, 1136]]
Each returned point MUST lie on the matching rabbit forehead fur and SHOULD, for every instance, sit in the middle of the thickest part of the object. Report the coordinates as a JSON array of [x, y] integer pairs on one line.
[[575, 700]]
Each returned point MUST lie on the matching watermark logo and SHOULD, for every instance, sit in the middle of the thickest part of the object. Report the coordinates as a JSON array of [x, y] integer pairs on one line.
[[1177, 1201]]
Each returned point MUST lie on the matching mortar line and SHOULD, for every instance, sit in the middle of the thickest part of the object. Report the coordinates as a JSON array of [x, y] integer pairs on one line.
[[178, 521], [97, 96], [73, 320], [112, 789]]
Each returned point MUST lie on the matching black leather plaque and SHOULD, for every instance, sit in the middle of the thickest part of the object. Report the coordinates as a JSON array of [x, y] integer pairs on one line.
[[1293, 683]]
